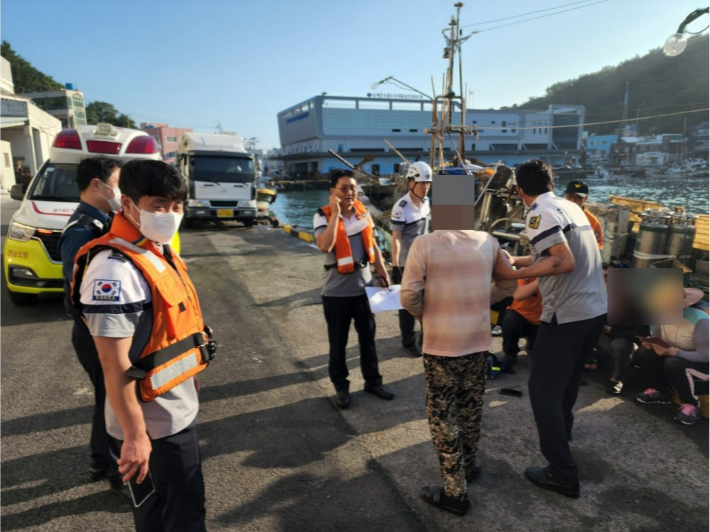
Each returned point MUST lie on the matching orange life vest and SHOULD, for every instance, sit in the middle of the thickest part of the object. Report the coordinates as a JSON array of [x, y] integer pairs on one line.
[[343, 253], [596, 228], [531, 307], [179, 346]]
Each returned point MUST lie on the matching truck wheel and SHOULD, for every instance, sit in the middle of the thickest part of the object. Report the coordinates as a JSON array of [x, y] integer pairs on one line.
[[189, 223], [249, 222], [18, 298]]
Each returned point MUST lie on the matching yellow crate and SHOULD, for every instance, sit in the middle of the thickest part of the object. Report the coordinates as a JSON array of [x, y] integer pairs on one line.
[[701, 232]]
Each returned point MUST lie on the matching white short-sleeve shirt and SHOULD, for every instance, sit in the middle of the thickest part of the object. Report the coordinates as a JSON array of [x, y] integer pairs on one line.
[[117, 303]]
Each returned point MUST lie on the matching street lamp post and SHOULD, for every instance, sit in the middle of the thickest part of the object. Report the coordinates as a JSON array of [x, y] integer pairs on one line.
[[676, 43]]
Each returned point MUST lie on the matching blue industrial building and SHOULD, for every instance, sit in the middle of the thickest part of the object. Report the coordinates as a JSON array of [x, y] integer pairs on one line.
[[355, 127]]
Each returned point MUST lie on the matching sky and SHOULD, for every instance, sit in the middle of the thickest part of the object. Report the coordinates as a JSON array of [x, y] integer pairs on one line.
[[237, 63]]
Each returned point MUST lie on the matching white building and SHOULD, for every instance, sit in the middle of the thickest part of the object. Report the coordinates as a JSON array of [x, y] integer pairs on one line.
[[65, 104], [27, 131], [356, 126]]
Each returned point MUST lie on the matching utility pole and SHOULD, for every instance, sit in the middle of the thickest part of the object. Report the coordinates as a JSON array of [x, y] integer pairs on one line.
[[625, 114]]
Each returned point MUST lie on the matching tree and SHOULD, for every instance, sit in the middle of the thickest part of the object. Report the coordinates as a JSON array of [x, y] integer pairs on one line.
[[105, 112], [25, 77], [101, 112]]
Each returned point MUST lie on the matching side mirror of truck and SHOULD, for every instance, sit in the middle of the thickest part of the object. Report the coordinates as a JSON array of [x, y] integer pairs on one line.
[[17, 192]]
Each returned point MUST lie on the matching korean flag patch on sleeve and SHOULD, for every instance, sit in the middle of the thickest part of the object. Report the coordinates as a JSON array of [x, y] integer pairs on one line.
[[106, 290]]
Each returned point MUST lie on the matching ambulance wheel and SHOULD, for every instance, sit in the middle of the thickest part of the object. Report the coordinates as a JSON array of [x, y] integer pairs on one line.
[[18, 298], [249, 222]]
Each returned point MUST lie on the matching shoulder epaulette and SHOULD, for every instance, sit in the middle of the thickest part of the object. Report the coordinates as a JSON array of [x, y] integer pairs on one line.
[[402, 203], [117, 255], [84, 220]]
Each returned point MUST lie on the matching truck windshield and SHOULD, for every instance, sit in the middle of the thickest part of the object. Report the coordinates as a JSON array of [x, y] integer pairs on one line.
[[222, 169], [56, 182]]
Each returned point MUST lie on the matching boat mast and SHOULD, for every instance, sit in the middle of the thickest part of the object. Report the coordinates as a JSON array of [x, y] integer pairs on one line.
[[442, 124]]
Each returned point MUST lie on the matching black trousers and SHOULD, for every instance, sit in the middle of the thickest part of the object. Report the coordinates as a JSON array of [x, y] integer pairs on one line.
[[687, 378], [559, 356], [514, 328], [406, 320], [178, 504], [339, 312], [89, 359], [619, 350]]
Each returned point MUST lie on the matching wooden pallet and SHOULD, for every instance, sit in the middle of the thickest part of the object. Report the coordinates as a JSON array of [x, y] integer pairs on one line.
[[701, 232], [637, 207]]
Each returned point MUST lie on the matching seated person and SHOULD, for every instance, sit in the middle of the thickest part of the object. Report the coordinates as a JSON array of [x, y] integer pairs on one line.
[[521, 320], [676, 356], [617, 343]]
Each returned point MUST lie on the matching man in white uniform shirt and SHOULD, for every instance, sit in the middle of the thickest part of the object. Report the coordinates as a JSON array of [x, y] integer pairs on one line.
[[410, 217], [566, 259]]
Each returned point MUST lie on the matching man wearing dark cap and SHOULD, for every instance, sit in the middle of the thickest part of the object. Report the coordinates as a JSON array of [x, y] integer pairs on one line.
[[577, 192]]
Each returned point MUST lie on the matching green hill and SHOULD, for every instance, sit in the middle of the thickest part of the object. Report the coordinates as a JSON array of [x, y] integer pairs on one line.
[[657, 85], [27, 78]]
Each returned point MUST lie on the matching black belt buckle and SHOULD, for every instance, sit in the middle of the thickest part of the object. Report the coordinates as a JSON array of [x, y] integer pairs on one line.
[[209, 348], [136, 373]]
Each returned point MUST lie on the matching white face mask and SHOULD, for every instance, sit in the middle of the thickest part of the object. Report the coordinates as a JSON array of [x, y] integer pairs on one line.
[[159, 228], [115, 202]]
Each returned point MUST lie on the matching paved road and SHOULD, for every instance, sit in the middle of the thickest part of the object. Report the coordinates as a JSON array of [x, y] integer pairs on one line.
[[279, 456]]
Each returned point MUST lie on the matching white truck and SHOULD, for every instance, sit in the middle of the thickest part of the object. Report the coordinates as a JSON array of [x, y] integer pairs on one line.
[[221, 178]]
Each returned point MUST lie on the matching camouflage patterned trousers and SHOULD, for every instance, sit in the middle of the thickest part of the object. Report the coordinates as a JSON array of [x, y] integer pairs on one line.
[[454, 390]]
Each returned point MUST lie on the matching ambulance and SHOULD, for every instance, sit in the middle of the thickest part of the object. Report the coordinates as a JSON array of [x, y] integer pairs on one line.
[[31, 259]]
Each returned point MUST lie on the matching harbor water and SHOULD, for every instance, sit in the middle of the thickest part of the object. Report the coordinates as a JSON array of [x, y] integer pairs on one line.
[[298, 207]]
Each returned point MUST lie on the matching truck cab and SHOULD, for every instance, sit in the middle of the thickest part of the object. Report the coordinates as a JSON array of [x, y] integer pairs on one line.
[[221, 178]]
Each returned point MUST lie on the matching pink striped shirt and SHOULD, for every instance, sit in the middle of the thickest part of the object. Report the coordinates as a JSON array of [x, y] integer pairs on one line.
[[456, 269]]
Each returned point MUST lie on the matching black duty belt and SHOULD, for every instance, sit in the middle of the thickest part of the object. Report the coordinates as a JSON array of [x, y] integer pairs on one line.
[[207, 348], [361, 265]]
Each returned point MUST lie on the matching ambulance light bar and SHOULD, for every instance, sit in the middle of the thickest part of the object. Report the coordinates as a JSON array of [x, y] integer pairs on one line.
[[104, 128], [67, 139], [144, 144], [103, 146]]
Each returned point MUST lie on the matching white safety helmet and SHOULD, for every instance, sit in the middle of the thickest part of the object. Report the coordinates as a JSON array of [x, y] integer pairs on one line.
[[419, 172]]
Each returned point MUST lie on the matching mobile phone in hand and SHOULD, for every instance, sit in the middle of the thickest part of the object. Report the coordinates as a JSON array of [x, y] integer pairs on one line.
[[140, 492]]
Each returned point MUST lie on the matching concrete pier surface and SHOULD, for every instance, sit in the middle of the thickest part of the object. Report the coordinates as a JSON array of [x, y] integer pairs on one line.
[[279, 456]]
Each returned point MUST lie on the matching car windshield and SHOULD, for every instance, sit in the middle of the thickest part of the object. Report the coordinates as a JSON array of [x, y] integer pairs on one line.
[[56, 182], [222, 169]]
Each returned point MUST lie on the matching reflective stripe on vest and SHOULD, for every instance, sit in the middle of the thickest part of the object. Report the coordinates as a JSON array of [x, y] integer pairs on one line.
[[169, 372], [176, 309], [343, 253], [345, 260]]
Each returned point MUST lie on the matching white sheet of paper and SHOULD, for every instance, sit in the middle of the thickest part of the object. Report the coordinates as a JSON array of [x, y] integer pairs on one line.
[[382, 299]]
